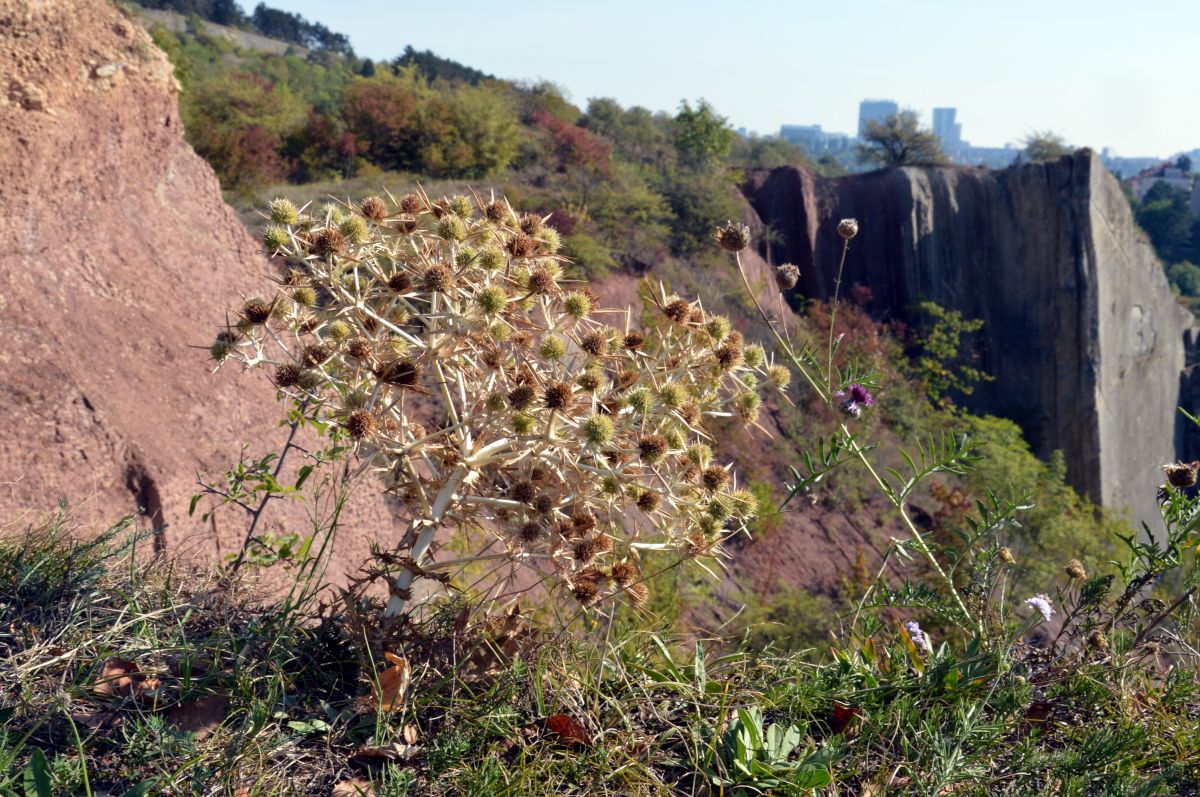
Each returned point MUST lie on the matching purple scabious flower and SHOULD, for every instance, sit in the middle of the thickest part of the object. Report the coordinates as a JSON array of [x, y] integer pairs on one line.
[[854, 398], [916, 634], [1041, 602]]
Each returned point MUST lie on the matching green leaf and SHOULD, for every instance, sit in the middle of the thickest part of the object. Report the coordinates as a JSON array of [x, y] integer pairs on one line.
[[192, 506], [141, 789], [37, 775]]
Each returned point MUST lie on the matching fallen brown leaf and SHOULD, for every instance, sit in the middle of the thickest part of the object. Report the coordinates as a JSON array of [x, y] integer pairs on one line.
[[393, 683], [384, 754], [410, 734], [201, 716], [122, 678], [356, 787], [568, 730]]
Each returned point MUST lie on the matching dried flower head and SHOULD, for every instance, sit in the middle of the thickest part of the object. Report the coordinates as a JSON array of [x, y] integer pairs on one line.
[[1182, 474], [733, 237], [373, 208], [1075, 570], [361, 424], [847, 228], [786, 276]]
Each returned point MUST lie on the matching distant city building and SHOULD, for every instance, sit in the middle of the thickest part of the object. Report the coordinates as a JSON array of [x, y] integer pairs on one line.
[[1167, 173], [947, 129], [815, 141], [874, 111]]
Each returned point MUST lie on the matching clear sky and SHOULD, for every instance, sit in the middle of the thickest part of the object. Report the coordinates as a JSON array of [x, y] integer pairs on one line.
[[1113, 73]]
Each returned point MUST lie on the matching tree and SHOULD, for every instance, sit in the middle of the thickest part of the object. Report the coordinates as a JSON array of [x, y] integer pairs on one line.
[[1166, 217], [702, 137], [1184, 164], [899, 140], [1045, 145]]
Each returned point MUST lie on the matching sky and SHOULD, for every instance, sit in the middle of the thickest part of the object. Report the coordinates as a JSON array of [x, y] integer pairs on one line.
[[1101, 73]]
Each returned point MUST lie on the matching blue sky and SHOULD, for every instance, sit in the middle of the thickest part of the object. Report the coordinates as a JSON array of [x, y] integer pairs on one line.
[[1100, 73]]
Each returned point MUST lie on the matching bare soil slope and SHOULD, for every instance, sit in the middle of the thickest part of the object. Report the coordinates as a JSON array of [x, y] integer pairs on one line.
[[119, 256]]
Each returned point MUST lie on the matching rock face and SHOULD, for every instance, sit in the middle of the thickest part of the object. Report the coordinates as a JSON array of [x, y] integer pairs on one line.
[[119, 258], [1082, 334]]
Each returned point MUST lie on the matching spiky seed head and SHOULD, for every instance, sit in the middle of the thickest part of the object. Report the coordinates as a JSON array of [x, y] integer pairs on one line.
[[496, 402], [678, 310], [491, 299], [586, 549], [531, 223], [521, 396], [699, 454], [275, 238], [315, 354], [717, 327], [354, 229], [729, 356], [652, 447], [521, 245], [587, 592], [283, 211], [530, 532], [404, 374], [779, 376], [361, 424], [595, 343], [327, 242], [287, 375], [521, 491], [499, 331], [623, 573], [847, 228], [648, 501], [543, 504], [577, 305], [553, 348], [640, 400], [497, 212], [338, 329], [400, 282], [1181, 474], [222, 346], [1075, 570], [1097, 641], [634, 340], [627, 379], [639, 594], [786, 276], [256, 311], [360, 348], [610, 485], [754, 355], [714, 478], [718, 509], [373, 208], [550, 240], [438, 278], [598, 430], [672, 395], [590, 380], [733, 237], [304, 296], [451, 228], [411, 204], [522, 423], [541, 281], [1006, 555], [557, 396], [461, 206], [748, 404], [491, 259]]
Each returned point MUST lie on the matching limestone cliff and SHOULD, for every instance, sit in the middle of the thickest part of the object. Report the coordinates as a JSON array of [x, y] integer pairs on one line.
[[1083, 336], [119, 255]]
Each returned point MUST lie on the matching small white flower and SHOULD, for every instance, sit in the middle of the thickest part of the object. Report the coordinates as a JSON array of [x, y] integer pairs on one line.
[[1041, 602]]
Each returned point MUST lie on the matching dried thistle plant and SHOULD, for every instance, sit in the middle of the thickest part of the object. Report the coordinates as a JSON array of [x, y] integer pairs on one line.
[[488, 392]]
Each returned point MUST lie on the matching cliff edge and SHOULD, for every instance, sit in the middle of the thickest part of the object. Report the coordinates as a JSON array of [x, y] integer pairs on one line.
[[1082, 333]]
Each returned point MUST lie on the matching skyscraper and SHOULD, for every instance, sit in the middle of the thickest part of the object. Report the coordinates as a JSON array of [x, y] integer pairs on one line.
[[945, 128], [874, 110]]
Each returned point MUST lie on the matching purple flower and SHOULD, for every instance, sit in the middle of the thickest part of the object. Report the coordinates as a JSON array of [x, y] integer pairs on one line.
[[854, 398], [1041, 602], [917, 635]]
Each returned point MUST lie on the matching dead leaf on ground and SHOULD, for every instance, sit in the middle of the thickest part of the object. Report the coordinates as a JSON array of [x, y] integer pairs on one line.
[[384, 754], [393, 683], [568, 730], [356, 787], [201, 716], [410, 734], [122, 678]]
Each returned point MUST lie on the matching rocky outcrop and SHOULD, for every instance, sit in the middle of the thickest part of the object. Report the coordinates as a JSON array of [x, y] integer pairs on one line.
[[118, 258], [1082, 334]]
